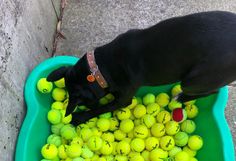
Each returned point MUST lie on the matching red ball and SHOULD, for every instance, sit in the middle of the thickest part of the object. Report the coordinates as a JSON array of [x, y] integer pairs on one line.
[[179, 115]]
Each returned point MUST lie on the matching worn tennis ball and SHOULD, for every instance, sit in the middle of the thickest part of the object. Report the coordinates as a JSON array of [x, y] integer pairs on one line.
[[58, 94], [54, 139], [96, 132], [73, 150], [162, 99], [174, 104], [191, 153], [54, 116], [148, 98], [137, 145], [163, 117], [182, 156], [67, 119], [195, 142], [94, 143], [139, 111], [145, 155], [174, 151], [68, 132], [108, 136], [133, 103], [151, 143], [44, 86], [172, 127], [85, 133], [55, 129], [141, 131], [189, 102], [123, 113], [106, 148], [192, 111], [181, 139], [49, 151], [137, 157], [57, 105], [167, 142], [60, 83], [158, 154], [176, 90], [123, 148], [179, 115], [121, 158], [114, 124], [158, 130], [188, 126], [148, 120], [92, 122], [77, 140], [106, 115], [103, 124], [62, 151], [119, 135], [153, 109], [126, 125]]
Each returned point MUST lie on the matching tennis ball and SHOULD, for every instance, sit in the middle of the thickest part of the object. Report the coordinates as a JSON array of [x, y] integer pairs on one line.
[[139, 99], [121, 158], [44, 86], [96, 132], [119, 135], [68, 131], [54, 139], [137, 145], [77, 140], [137, 157], [190, 152], [114, 124], [162, 99], [172, 127], [55, 129], [192, 111], [123, 113], [176, 90], [123, 148], [133, 103], [181, 139], [126, 125], [73, 150], [78, 159], [195, 142], [139, 111], [101, 159], [141, 131], [148, 120], [128, 140], [193, 159], [58, 94], [110, 158], [151, 143], [92, 122], [174, 151], [188, 126], [132, 153], [163, 117], [67, 119], [114, 144], [106, 115], [182, 156], [108, 137], [49, 151], [137, 122], [60, 83], [158, 154], [179, 115], [167, 142], [174, 104], [145, 155], [85, 133], [103, 101], [148, 98], [130, 134], [57, 105], [54, 116], [153, 109], [94, 143], [103, 124], [189, 102], [62, 151], [158, 130], [106, 148], [68, 159]]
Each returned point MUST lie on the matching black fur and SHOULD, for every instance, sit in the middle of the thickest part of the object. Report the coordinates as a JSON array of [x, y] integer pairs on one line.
[[198, 49]]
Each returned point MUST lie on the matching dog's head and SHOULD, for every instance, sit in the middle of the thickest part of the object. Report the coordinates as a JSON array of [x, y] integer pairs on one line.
[[81, 90]]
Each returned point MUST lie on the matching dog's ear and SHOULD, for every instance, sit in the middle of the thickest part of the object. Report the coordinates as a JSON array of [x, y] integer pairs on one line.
[[71, 105], [57, 74]]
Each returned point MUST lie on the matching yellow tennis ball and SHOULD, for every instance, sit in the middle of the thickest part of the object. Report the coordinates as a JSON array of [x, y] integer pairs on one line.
[[85, 133], [103, 124], [128, 140], [119, 135], [57, 105], [148, 120], [77, 140], [182, 156], [145, 155], [94, 143], [174, 151], [162, 99], [106, 148], [192, 111], [130, 134], [86, 152], [114, 124], [60, 83], [123, 148], [148, 98], [132, 153], [79, 159], [108, 136], [137, 145], [176, 90], [189, 102], [54, 139], [123, 113], [114, 144], [73, 150], [137, 157], [193, 159], [195, 142], [151, 143], [121, 158], [68, 132], [137, 122], [188, 126], [62, 151], [106, 115], [158, 130], [126, 125], [55, 129], [191, 153], [110, 158], [133, 103], [174, 104], [96, 132], [139, 111], [181, 139], [172, 127], [101, 159], [54, 116], [44, 86], [158, 154], [163, 117], [67, 119], [141, 131], [92, 122], [167, 142], [58, 94], [153, 109], [49, 151]]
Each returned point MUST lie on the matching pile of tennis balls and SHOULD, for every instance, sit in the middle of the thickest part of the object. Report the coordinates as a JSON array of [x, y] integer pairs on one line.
[[142, 131]]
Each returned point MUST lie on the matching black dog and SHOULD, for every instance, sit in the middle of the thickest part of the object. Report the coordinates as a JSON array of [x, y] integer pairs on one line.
[[198, 49]]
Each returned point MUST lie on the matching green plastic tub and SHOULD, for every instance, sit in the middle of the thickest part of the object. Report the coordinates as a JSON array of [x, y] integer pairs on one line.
[[211, 122]]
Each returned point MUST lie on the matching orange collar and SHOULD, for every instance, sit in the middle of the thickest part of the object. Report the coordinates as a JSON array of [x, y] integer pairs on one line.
[[95, 72]]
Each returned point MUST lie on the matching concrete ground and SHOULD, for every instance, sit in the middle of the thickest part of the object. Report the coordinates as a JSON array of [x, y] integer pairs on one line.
[[88, 24]]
